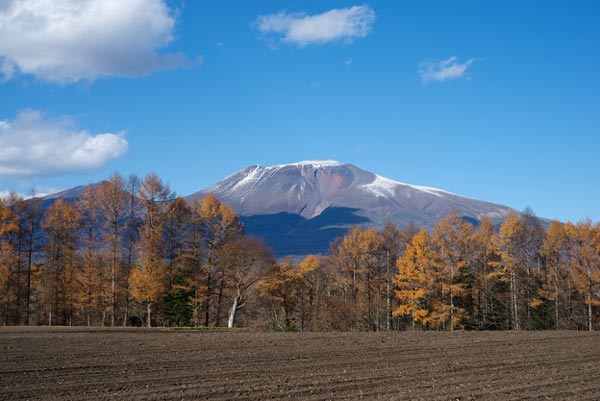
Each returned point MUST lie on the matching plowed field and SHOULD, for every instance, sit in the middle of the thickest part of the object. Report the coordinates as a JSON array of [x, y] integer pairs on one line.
[[138, 364]]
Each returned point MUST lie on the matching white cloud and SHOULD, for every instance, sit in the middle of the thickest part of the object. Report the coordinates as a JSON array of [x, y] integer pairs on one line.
[[337, 25], [66, 41], [443, 70], [33, 145]]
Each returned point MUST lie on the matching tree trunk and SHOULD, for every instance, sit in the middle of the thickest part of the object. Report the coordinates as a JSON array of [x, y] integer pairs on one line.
[[195, 307], [354, 294], [513, 299], [233, 311], [556, 303], [590, 326], [528, 297], [388, 294], [220, 297], [589, 297], [484, 296], [207, 298], [29, 265], [149, 311], [112, 282], [18, 290], [451, 297]]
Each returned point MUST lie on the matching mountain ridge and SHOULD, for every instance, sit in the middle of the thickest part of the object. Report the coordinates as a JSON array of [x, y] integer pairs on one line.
[[299, 208], [307, 189]]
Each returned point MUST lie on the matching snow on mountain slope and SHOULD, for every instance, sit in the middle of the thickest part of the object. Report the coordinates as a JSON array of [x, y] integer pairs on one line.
[[310, 187], [300, 208]]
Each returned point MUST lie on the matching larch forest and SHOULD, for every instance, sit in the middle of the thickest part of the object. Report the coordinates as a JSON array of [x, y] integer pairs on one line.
[[130, 252]]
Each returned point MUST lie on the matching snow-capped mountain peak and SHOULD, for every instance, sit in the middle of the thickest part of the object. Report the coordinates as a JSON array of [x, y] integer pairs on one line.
[[308, 188], [313, 163]]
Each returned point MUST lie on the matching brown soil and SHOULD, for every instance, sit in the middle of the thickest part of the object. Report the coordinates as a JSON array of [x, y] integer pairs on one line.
[[83, 364]]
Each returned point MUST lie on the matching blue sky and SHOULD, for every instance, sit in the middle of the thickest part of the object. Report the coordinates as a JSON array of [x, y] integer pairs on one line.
[[498, 101]]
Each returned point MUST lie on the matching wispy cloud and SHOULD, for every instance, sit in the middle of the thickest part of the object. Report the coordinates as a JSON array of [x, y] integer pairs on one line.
[[338, 25], [443, 70], [66, 41], [34, 145]]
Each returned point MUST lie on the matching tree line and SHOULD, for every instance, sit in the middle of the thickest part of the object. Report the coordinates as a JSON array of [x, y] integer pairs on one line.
[[130, 252]]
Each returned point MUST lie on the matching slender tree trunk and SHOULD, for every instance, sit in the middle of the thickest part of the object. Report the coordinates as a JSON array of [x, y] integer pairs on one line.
[[451, 297], [513, 298], [556, 303], [113, 269], [378, 304], [589, 310], [132, 188], [28, 300], [233, 311], [354, 294], [311, 305], [207, 299], [220, 297], [388, 294], [149, 312], [528, 297], [129, 264], [196, 278], [112, 296], [19, 262], [369, 301], [52, 291], [302, 312], [29, 265], [484, 297], [589, 297]]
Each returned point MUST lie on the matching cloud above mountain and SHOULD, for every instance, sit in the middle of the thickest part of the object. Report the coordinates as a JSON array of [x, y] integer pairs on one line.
[[66, 41], [34, 145], [338, 25]]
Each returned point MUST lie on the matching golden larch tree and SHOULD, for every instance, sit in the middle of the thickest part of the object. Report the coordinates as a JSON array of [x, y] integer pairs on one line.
[[112, 202], [555, 281], [279, 287], [450, 257], [148, 278], [8, 227], [92, 295], [585, 264], [219, 225], [411, 281], [508, 242], [485, 262], [62, 222]]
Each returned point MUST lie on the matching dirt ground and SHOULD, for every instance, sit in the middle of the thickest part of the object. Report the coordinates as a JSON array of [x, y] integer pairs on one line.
[[140, 364]]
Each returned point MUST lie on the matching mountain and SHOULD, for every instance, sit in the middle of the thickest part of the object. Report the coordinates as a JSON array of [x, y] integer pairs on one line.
[[69, 195], [299, 208]]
